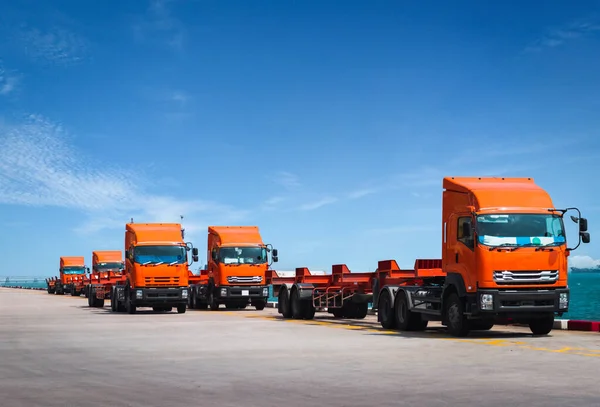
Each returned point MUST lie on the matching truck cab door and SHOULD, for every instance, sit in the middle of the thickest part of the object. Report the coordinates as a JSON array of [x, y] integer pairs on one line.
[[460, 249]]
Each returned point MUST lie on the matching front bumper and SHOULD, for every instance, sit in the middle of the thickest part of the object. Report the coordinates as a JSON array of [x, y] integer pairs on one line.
[[241, 292], [149, 297], [519, 302]]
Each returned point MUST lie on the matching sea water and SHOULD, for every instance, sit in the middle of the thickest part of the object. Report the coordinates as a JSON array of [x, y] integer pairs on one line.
[[585, 294]]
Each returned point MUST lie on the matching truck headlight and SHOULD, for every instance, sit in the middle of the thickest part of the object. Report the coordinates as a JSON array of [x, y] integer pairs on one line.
[[139, 294], [223, 292], [487, 302], [563, 300], [265, 291], [184, 293]]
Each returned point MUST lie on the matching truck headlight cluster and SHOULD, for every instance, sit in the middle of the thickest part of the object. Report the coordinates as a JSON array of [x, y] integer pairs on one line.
[[265, 291], [139, 294], [184, 293], [563, 301], [223, 292], [487, 302]]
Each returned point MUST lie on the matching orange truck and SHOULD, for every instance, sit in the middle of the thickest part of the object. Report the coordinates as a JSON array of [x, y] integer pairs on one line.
[[504, 258], [237, 264], [71, 268], [156, 269], [107, 269]]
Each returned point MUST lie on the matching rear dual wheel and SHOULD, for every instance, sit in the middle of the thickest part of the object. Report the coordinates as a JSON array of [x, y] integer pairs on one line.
[[301, 309]]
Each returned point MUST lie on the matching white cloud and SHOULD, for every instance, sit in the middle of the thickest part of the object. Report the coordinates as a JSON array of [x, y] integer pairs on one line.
[[287, 180], [583, 262], [8, 81], [159, 19], [39, 168], [56, 45], [309, 206], [559, 36]]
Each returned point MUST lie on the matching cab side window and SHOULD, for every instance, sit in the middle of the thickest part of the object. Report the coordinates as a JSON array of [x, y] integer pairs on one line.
[[465, 232]]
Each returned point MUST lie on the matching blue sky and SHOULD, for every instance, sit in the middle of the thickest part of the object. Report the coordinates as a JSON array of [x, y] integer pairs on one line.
[[329, 124]]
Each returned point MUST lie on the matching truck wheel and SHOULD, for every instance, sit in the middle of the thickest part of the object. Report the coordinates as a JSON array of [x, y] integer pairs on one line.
[[481, 325], [338, 312], [259, 305], [100, 303], [385, 312], [296, 305], [131, 308], [181, 308], [402, 312], [458, 324], [542, 326], [283, 303], [362, 309], [309, 310], [212, 301], [113, 300]]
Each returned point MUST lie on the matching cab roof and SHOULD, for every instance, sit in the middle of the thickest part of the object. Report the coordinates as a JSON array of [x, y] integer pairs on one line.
[[237, 235], [159, 233], [69, 261], [490, 193], [107, 256]]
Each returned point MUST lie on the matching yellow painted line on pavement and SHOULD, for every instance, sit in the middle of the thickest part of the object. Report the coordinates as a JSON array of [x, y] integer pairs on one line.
[[494, 342]]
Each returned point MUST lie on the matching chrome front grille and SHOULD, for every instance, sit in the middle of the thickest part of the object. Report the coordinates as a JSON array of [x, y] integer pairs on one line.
[[244, 280], [525, 276]]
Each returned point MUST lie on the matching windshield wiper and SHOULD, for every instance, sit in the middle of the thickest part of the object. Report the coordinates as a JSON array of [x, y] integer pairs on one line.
[[156, 264], [146, 263], [173, 263], [509, 245]]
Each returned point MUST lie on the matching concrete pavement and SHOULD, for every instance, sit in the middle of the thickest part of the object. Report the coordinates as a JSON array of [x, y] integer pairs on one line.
[[55, 351]]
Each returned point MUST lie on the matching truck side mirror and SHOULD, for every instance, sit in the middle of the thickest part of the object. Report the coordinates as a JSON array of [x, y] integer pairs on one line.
[[195, 251], [275, 259], [213, 255], [466, 230], [194, 257], [275, 253], [585, 237], [583, 226], [126, 254]]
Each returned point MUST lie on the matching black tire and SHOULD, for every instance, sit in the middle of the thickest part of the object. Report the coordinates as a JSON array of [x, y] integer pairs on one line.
[[192, 301], [259, 305], [458, 324], [100, 303], [296, 305], [284, 303], [481, 325], [402, 312], [212, 301], [181, 308], [89, 299], [385, 312], [309, 310], [113, 300], [362, 309], [131, 308], [338, 312], [542, 326]]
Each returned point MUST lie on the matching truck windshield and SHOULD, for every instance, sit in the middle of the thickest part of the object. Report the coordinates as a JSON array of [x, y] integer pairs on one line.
[[74, 270], [520, 230], [243, 255], [160, 254], [109, 266]]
